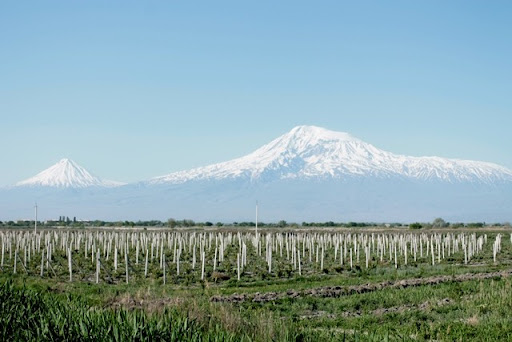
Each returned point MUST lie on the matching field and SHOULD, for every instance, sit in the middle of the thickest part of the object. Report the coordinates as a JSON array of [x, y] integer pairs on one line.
[[227, 284]]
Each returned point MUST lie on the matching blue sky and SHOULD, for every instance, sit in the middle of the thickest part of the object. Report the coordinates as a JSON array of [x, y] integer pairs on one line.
[[137, 89]]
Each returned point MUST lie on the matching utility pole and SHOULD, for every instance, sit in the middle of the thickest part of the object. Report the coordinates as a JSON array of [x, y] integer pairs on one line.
[[35, 222], [256, 216]]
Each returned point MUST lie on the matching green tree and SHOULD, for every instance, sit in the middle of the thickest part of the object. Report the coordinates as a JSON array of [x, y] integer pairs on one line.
[[415, 225]]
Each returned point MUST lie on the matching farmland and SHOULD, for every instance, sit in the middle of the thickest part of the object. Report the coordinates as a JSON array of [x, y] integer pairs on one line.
[[243, 284]]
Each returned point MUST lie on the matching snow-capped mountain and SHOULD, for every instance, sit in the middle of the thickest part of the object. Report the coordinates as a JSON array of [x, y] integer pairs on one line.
[[66, 174], [308, 152], [308, 174]]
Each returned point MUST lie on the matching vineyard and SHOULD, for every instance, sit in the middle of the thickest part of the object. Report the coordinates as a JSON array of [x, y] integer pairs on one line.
[[245, 285], [193, 256]]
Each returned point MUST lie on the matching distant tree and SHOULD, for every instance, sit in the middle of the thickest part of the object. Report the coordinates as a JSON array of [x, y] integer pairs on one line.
[[171, 223], [281, 223], [188, 223], [439, 223], [208, 224], [219, 224], [415, 225]]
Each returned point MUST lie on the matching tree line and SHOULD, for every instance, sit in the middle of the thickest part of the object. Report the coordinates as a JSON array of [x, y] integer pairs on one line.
[[65, 221]]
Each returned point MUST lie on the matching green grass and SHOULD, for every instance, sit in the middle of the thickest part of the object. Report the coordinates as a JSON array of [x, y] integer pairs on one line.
[[29, 315], [41, 310], [53, 309]]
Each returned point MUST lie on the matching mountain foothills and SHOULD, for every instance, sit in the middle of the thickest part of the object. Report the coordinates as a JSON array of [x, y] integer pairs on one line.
[[307, 174]]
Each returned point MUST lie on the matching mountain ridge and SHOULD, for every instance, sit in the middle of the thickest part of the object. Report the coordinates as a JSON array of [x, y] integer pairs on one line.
[[305, 152], [307, 174], [310, 151]]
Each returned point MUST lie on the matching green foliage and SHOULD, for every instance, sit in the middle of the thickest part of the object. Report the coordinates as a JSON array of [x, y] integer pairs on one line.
[[26, 315], [415, 225], [469, 310]]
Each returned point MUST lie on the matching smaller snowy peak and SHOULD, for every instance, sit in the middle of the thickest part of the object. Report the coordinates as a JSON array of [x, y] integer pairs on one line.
[[66, 174]]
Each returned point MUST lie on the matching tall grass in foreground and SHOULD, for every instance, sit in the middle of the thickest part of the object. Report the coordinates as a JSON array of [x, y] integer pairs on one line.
[[26, 315]]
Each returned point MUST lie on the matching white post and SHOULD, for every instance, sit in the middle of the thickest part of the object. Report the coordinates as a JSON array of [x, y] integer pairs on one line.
[[178, 262], [164, 267], [146, 265], [97, 266], [15, 258], [115, 258], [202, 267], [69, 264], [396, 259], [350, 258], [432, 250], [42, 263], [298, 261], [238, 265], [126, 262]]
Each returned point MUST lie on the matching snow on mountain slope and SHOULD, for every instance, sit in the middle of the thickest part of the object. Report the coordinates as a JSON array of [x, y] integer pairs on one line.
[[66, 174], [313, 152]]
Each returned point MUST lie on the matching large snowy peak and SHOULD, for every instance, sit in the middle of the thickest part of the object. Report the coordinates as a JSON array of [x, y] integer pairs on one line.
[[66, 174], [308, 152]]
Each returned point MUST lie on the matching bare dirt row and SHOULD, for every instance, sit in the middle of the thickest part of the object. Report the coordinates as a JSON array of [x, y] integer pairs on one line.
[[338, 291]]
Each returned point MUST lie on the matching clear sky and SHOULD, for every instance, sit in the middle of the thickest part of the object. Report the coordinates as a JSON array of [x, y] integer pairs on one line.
[[136, 89]]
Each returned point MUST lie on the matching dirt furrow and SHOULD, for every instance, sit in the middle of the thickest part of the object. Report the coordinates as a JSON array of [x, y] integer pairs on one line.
[[338, 291]]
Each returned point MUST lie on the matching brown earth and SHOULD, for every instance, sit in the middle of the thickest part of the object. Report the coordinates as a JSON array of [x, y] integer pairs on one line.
[[338, 291]]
